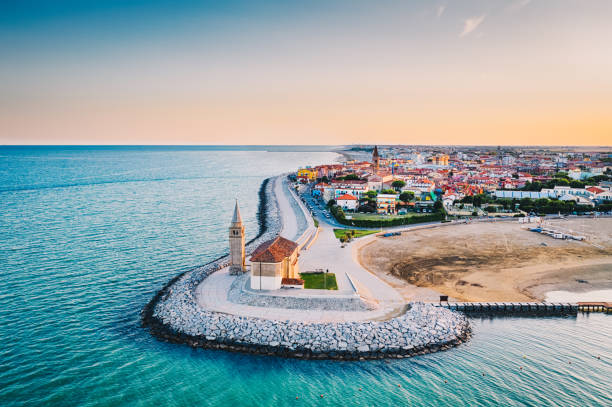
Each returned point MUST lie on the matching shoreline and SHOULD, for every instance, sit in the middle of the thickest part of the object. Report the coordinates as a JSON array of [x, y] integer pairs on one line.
[[493, 262], [173, 315]]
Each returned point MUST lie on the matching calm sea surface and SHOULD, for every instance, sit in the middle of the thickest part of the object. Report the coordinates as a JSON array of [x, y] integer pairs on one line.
[[88, 234]]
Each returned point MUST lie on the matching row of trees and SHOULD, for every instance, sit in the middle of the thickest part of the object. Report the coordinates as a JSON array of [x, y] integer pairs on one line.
[[541, 205], [562, 179], [438, 214]]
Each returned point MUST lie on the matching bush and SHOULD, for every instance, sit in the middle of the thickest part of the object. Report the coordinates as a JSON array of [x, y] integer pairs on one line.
[[366, 209], [368, 223]]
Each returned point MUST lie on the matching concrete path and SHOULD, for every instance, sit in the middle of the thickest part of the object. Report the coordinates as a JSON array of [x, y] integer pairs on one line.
[[211, 294], [289, 229]]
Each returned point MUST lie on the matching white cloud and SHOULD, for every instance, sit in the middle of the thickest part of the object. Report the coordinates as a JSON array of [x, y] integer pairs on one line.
[[440, 10], [517, 5], [471, 24]]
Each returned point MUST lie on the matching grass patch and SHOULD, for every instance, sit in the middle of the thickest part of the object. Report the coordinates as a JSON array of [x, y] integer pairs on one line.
[[358, 233], [373, 216], [316, 222], [320, 281]]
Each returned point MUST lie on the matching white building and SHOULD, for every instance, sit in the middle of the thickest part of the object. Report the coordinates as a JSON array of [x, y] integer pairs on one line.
[[347, 202]]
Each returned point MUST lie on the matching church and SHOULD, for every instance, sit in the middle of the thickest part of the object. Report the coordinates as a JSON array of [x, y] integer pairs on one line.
[[271, 264]]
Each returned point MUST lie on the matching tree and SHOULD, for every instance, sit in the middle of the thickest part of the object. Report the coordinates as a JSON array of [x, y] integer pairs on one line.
[[438, 206], [366, 209], [350, 177], [406, 196], [331, 202], [398, 184], [324, 179], [371, 194], [388, 191]]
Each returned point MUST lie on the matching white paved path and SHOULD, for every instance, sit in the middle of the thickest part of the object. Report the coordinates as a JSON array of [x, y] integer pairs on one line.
[[212, 295], [290, 225]]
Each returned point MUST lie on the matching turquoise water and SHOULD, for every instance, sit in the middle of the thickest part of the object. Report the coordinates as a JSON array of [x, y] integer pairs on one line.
[[87, 236]]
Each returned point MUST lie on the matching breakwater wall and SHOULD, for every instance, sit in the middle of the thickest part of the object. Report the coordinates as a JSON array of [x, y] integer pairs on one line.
[[173, 315], [527, 308]]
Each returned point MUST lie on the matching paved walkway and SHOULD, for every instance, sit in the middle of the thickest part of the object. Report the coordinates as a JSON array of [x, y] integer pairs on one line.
[[212, 295], [289, 229]]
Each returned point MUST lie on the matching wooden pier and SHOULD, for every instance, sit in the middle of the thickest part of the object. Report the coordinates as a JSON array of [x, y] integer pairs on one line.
[[527, 307], [605, 307]]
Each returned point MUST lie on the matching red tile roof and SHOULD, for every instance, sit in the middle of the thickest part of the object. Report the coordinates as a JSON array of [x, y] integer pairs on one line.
[[346, 197], [595, 190], [292, 281], [274, 251]]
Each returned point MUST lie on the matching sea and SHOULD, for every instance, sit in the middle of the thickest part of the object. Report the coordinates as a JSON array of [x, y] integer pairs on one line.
[[89, 234]]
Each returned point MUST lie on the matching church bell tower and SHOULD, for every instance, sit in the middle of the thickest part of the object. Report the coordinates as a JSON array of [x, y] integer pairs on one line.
[[236, 242], [376, 159]]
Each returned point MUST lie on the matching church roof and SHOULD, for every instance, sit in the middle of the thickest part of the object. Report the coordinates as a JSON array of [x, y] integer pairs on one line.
[[274, 251], [236, 218]]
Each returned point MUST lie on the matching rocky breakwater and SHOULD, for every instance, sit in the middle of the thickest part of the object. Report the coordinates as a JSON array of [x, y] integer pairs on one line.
[[422, 329], [174, 315]]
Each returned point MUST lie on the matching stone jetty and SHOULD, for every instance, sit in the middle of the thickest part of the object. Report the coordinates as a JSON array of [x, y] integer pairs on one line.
[[174, 315]]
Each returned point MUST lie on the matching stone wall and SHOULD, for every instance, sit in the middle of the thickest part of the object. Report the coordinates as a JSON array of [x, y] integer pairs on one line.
[[174, 315]]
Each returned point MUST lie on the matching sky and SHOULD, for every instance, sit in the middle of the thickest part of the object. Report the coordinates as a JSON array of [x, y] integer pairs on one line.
[[494, 72]]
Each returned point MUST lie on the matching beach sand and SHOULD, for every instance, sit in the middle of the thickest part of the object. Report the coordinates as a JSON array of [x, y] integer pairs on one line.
[[499, 261]]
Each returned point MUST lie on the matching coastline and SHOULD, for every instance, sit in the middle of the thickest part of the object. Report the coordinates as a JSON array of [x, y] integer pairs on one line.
[[493, 262], [173, 315]]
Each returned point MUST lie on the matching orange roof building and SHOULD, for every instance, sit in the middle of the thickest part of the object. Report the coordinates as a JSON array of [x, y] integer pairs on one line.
[[272, 261]]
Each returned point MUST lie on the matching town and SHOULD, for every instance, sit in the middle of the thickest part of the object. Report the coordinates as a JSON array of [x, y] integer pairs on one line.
[[378, 186]]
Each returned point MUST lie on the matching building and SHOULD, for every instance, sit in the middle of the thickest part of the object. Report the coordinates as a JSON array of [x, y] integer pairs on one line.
[[236, 243], [376, 159], [347, 202], [440, 159], [306, 175], [273, 261], [357, 188], [385, 203]]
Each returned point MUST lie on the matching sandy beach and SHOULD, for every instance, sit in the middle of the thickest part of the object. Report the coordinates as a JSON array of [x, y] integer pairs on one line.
[[499, 261]]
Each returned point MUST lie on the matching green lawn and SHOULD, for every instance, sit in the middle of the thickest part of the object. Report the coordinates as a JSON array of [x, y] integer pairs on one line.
[[320, 281], [358, 233], [374, 216]]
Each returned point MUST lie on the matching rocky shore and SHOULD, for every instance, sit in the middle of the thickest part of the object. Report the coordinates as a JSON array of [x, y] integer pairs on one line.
[[174, 315]]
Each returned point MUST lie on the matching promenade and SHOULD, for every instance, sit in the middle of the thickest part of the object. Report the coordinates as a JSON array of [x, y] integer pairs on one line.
[[325, 253]]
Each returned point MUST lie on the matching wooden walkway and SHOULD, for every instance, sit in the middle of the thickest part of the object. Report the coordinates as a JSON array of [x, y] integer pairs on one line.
[[527, 307]]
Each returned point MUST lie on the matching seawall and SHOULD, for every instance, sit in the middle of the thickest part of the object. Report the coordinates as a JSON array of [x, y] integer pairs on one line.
[[173, 315]]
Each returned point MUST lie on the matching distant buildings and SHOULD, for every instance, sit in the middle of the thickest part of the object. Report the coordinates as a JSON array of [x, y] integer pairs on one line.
[[306, 175], [452, 173], [385, 203]]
